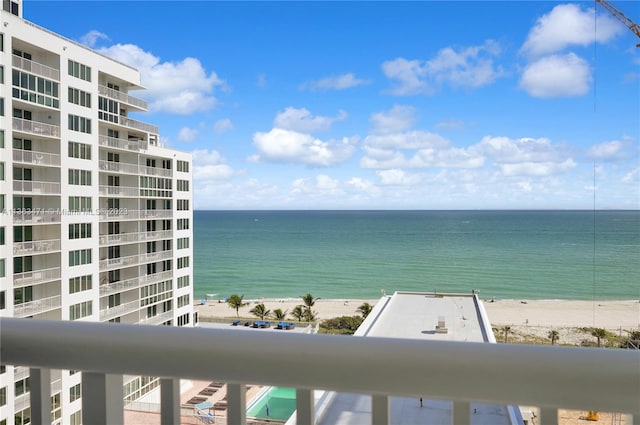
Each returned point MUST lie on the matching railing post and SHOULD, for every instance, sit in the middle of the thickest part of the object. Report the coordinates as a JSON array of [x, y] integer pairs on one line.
[[237, 404], [102, 401], [548, 416], [305, 407], [380, 412], [461, 413], [40, 397], [169, 401]]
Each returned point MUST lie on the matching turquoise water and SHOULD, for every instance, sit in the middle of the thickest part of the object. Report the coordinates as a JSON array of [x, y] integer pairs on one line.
[[281, 402], [356, 254]]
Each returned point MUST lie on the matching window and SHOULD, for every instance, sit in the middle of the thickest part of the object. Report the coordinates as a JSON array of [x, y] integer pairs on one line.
[[76, 418], [74, 393], [183, 223], [80, 177], [80, 203], [1, 171], [22, 233], [2, 267], [23, 417], [183, 320], [1, 106], [79, 70], [2, 204], [114, 300], [182, 166], [35, 89], [183, 300], [183, 204], [23, 295], [183, 281], [183, 243], [3, 396], [79, 97], [3, 305], [183, 262], [22, 386], [56, 407], [108, 109], [20, 173], [79, 257], [2, 235], [80, 124], [22, 264], [1, 138], [78, 311], [79, 150], [182, 185], [79, 230], [80, 283]]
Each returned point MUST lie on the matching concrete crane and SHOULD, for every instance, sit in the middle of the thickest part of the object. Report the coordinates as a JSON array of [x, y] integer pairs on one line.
[[635, 28]]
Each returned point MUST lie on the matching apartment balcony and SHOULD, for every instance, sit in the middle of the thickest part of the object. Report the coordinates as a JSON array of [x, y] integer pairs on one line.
[[120, 191], [155, 277], [119, 286], [36, 277], [32, 308], [119, 167], [549, 377], [122, 144], [157, 319], [36, 247], [36, 187], [36, 127], [122, 97], [117, 214], [35, 216], [156, 235], [119, 310], [118, 263], [36, 158], [35, 68], [125, 238], [155, 171], [138, 125]]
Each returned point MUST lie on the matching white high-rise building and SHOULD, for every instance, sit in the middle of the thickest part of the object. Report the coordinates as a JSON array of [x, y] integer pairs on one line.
[[96, 216]]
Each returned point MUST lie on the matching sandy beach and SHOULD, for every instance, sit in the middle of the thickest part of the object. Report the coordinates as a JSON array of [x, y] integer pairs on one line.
[[530, 317]]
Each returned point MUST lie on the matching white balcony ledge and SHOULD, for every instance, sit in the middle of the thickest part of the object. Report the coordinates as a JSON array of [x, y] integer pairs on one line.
[[545, 376]]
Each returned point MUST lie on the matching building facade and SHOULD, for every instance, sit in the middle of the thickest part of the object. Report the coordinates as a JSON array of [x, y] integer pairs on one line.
[[96, 215]]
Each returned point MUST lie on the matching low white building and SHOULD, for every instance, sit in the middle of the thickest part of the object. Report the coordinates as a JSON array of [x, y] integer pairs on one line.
[[96, 216]]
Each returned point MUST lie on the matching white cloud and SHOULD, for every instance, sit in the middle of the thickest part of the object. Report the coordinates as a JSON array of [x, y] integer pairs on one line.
[[262, 81], [187, 134], [321, 185], [525, 149], [222, 125], [632, 176], [210, 166], [566, 25], [540, 169], [338, 82], [398, 177], [467, 67], [556, 76], [180, 87], [280, 145], [416, 139], [610, 150], [399, 118], [301, 120], [450, 125], [91, 38]]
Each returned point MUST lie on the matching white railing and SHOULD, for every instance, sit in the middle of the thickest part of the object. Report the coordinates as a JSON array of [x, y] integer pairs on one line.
[[36, 247], [119, 286], [35, 187], [122, 144], [123, 97], [35, 277], [119, 191], [36, 157], [36, 127], [119, 238], [119, 310], [118, 167], [546, 376], [35, 68], [117, 263], [118, 214], [36, 307], [138, 125], [156, 277], [155, 171], [157, 319], [36, 216]]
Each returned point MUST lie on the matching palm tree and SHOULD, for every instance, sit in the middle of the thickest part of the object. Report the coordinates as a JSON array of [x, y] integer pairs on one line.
[[553, 336], [278, 314], [309, 315], [505, 331], [235, 301], [309, 301], [298, 312], [365, 309], [599, 333], [260, 311]]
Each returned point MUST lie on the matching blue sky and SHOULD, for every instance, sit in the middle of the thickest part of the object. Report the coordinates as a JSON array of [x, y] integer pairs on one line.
[[383, 105]]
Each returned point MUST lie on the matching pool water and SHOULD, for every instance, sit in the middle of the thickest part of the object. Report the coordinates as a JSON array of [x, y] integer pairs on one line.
[[281, 402]]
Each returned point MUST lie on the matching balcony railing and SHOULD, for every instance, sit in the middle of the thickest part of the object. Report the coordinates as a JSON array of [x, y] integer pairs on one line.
[[37, 216], [119, 310], [36, 307], [124, 238], [546, 376], [36, 187], [119, 286], [35, 68], [122, 97], [36, 127], [36, 277], [122, 144], [36, 157], [36, 247], [138, 125], [155, 277], [157, 319], [124, 191], [118, 167], [118, 263]]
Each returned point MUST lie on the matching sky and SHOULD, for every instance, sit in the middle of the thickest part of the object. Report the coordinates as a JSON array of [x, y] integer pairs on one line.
[[382, 105]]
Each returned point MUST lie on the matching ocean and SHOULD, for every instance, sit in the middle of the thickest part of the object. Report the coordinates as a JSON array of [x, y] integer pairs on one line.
[[580, 255]]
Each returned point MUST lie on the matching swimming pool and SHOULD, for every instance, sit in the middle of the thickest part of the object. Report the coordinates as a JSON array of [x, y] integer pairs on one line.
[[281, 402]]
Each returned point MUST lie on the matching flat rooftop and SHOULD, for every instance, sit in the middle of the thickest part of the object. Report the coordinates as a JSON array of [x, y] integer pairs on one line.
[[424, 316]]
